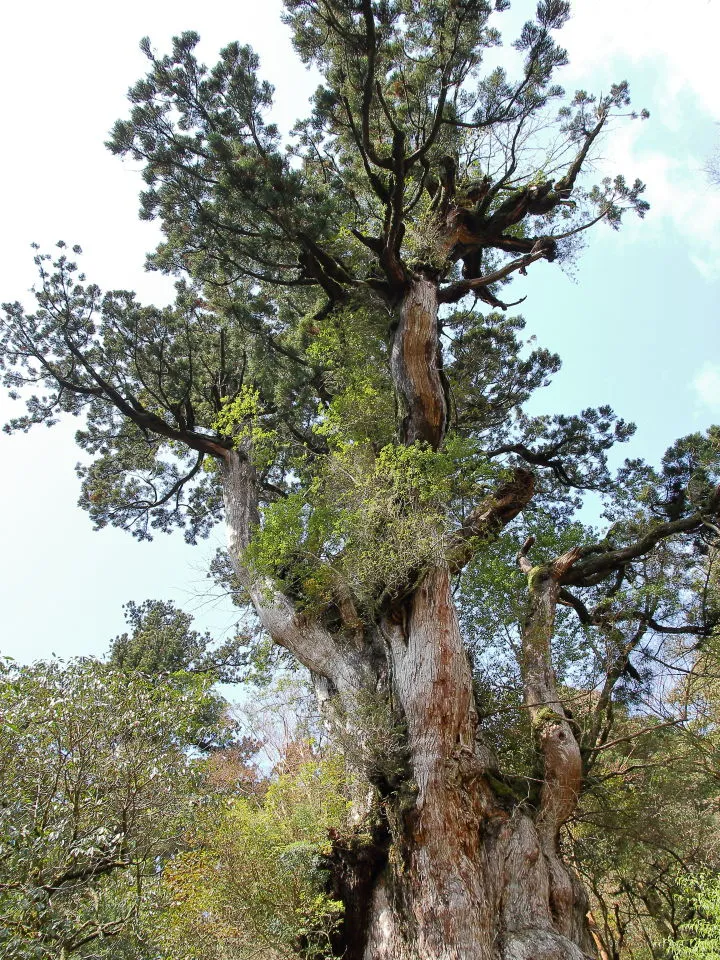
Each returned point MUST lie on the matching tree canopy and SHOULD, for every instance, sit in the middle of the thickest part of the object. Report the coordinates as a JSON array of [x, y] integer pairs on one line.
[[291, 259]]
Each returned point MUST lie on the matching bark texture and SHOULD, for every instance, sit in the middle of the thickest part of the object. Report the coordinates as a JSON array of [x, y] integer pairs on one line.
[[417, 365], [469, 876], [555, 739]]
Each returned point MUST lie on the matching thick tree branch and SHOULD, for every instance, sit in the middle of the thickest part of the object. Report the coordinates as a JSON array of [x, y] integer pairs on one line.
[[545, 457], [96, 868], [368, 87], [598, 617], [554, 737], [489, 517], [174, 489], [456, 291], [587, 566], [596, 563], [346, 669], [416, 366], [394, 225], [143, 418], [564, 186]]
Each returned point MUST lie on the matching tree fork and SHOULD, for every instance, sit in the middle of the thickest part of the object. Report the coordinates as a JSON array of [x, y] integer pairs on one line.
[[461, 874]]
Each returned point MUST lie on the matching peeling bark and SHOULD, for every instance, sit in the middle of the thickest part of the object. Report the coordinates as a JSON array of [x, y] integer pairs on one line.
[[438, 845], [468, 877], [489, 517], [417, 365]]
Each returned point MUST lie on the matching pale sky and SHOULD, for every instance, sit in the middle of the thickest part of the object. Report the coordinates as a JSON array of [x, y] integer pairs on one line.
[[636, 325]]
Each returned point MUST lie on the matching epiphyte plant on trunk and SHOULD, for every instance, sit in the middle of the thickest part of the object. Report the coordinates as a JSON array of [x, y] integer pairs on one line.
[[325, 383]]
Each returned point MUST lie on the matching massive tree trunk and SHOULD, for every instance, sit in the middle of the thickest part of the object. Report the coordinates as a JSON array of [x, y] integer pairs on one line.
[[473, 874], [458, 866]]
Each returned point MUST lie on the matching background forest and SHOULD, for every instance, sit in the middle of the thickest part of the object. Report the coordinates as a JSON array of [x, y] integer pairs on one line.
[[198, 793]]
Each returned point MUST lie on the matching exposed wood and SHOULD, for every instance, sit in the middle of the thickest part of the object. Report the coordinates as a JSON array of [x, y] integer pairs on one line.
[[417, 365], [466, 879]]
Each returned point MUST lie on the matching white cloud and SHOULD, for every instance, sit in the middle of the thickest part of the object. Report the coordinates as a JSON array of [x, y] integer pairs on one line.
[[670, 61], [709, 269], [707, 386], [679, 47], [682, 202]]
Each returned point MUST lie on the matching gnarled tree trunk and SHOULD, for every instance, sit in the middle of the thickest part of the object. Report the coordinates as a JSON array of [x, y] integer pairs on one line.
[[417, 365], [458, 868]]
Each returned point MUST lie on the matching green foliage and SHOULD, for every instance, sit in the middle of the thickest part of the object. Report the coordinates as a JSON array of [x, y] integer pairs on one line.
[[647, 818], [689, 472], [162, 642], [162, 646], [492, 606], [366, 521], [283, 341], [351, 346], [649, 821], [424, 244], [96, 781], [700, 935], [253, 883], [240, 418], [281, 331]]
